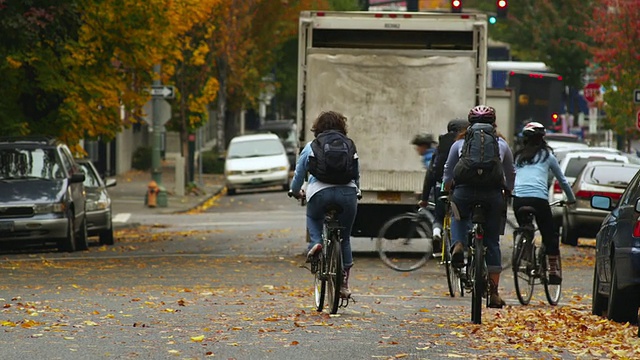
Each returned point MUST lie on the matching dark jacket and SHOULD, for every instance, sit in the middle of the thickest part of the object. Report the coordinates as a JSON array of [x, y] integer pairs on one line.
[[436, 168]]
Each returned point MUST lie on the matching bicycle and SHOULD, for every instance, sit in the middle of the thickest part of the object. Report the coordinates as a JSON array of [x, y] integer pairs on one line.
[[529, 261], [454, 281], [326, 267], [405, 242]]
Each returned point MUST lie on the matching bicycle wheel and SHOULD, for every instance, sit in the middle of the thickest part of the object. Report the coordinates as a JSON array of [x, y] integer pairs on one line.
[[334, 275], [522, 275], [553, 292], [453, 280], [320, 283], [479, 285], [405, 242]]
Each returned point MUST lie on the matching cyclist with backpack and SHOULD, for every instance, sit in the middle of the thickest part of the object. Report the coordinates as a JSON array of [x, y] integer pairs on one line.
[[332, 161], [533, 163], [433, 178], [479, 169]]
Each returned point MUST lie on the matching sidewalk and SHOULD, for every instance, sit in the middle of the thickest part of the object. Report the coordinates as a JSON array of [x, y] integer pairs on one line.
[[128, 196]]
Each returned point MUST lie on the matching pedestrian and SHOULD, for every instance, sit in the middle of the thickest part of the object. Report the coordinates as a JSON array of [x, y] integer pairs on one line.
[[332, 180], [479, 169], [533, 163]]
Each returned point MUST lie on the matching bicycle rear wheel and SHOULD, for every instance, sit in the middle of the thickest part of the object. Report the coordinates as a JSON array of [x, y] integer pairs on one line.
[[320, 283], [522, 271], [405, 242], [553, 292], [334, 275], [479, 285], [453, 280]]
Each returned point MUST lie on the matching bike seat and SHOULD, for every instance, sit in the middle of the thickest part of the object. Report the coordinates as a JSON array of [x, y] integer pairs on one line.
[[477, 214], [337, 208], [526, 210]]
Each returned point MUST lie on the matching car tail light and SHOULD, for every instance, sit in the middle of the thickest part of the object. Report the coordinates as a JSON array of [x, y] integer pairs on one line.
[[636, 228], [585, 194], [557, 189]]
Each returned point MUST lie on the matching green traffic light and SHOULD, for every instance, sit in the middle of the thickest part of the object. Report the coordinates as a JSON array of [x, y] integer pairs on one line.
[[492, 20]]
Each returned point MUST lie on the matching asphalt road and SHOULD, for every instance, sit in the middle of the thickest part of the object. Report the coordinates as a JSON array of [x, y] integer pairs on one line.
[[228, 283]]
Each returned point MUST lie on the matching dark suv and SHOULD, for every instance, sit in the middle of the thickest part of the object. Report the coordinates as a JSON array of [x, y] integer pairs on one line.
[[41, 194]]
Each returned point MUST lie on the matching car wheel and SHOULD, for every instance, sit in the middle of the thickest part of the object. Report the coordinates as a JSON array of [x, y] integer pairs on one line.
[[82, 242], [620, 309], [598, 301], [569, 235], [231, 191], [68, 244], [106, 236]]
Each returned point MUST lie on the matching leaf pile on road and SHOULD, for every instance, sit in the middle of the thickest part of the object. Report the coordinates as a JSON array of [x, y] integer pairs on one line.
[[556, 331]]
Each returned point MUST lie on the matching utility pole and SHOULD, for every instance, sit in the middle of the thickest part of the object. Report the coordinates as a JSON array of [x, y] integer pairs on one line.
[[156, 166]]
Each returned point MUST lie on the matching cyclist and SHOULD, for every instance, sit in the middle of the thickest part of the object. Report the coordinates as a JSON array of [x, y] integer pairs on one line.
[[533, 162], [491, 196], [433, 178], [319, 194], [423, 144]]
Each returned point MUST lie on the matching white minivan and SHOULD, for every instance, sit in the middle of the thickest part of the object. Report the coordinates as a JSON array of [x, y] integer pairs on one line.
[[256, 161]]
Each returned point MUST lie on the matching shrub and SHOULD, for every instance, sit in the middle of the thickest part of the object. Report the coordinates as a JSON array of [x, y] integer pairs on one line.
[[212, 163], [142, 158]]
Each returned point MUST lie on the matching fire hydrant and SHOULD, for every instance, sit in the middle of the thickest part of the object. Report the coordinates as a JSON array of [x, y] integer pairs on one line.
[[152, 194]]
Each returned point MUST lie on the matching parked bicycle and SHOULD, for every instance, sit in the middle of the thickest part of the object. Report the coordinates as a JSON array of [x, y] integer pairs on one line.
[[327, 268], [529, 260], [405, 242]]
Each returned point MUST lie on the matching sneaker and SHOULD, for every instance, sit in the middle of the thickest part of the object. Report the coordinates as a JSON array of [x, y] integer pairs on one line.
[[457, 255], [437, 234], [315, 249], [555, 272]]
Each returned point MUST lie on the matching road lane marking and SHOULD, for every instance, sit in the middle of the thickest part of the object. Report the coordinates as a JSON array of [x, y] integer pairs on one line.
[[122, 217]]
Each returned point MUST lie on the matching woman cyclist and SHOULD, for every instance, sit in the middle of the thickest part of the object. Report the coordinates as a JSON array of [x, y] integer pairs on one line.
[[319, 194], [533, 163]]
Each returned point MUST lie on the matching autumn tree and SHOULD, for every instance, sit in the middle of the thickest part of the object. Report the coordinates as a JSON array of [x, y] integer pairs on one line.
[[615, 31]]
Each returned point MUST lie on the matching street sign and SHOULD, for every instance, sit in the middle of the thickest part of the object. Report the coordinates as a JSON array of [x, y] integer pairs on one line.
[[638, 119], [591, 92], [167, 92], [636, 96], [164, 113]]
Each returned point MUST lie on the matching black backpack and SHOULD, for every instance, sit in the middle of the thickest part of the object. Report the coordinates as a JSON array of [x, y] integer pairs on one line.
[[480, 164], [333, 158]]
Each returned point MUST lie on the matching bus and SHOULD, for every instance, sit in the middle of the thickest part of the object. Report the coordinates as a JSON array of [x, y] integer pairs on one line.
[[498, 71]]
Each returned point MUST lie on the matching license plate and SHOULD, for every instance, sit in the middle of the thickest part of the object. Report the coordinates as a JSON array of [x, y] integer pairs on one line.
[[256, 180], [6, 226], [389, 196]]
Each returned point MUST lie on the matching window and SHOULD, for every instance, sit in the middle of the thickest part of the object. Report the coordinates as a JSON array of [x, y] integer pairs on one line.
[[255, 148]]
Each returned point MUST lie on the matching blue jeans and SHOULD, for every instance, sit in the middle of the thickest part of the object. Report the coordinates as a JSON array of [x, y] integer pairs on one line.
[[493, 203], [346, 197]]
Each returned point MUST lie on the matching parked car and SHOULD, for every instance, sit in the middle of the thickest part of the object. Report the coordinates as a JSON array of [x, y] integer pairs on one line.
[[616, 277], [98, 203], [288, 134], [571, 166], [256, 161], [597, 178], [559, 141], [562, 153], [41, 194]]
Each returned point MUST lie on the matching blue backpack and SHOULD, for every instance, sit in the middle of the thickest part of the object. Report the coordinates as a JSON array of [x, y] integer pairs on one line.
[[333, 158], [479, 164]]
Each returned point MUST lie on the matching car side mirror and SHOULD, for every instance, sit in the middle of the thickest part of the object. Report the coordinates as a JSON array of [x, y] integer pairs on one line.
[[637, 208], [603, 202], [110, 182], [77, 178]]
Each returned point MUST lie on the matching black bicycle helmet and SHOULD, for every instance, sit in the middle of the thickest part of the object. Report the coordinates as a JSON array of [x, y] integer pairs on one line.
[[482, 114], [456, 125], [422, 139], [533, 128]]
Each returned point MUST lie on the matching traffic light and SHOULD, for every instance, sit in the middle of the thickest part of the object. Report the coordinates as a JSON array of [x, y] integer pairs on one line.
[[501, 9], [555, 118], [492, 19], [456, 6]]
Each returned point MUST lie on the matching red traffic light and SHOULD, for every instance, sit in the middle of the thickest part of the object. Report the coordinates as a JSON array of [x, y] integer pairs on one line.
[[456, 6], [554, 118], [502, 4]]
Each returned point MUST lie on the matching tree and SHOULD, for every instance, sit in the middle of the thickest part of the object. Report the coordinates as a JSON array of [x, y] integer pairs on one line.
[[615, 31]]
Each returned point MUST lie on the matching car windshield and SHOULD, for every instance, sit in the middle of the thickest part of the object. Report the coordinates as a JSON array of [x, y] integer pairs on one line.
[[30, 164], [90, 177], [613, 175], [576, 165], [255, 148]]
